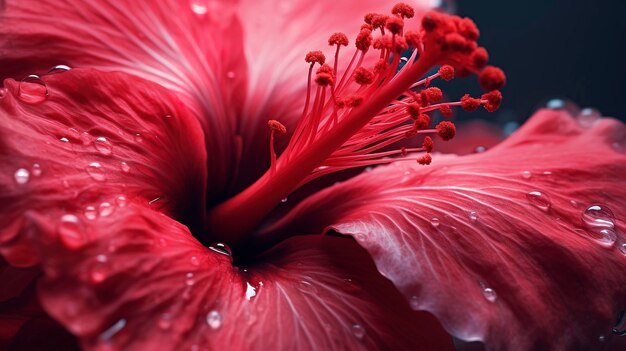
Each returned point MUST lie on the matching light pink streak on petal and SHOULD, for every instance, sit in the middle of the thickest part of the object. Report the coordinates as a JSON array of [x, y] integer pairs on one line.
[[465, 240], [199, 56], [142, 282]]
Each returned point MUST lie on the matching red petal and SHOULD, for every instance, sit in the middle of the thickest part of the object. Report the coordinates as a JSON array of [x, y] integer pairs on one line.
[[97, 141], [195, 51], [142, 282], [471, 240]]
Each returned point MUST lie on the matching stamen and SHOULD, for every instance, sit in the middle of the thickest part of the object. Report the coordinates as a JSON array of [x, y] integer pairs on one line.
[[354, 116]]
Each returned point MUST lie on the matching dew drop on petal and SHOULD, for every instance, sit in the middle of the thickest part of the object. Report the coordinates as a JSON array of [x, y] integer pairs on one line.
[[434, 222], [358, 331], [106, 209], [121, 201], [138, 138], [165, 321], [250, 291], [90, 213], [283, 200], [64, 140], [230, 74], [32, 89], [527, 175], [113, 330], [194, 261], [199, 7], [473, 216], [588, 117], [71, 232], [414, 302], [59, 69], [555, 104], [221, 248], [100, 271], [539, 200], [189, 279], [622, 248], [574, 203], [490, 294], [598, 216], [36, 170], [21, 176], [96, 172], [125, 167], [103, 146], [480, 149], [214, 319]]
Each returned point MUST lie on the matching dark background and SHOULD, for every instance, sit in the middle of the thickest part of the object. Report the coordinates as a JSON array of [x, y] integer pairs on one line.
[[568, 49]]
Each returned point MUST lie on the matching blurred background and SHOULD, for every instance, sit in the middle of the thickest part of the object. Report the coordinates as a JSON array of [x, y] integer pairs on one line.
[[574, 50]]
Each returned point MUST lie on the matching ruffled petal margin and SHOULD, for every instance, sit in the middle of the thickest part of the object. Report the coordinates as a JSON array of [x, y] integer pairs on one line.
[[522, 247]]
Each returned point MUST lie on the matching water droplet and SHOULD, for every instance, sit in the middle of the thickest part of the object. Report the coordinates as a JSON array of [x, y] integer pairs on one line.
[[588, 117], [622, 248], [199, 7], [527, 175], [32, 89], [555, 104], [539, 200], [96, 172], [59, 69], [214, 319], [283, 200], [221, 248], [414, 302], [619, 328], [90, 213], [473, 216], [36, 170], [598, 216], [480, 149], [358, 331], [106, 209], [71, 232], [100, 271], [230, 74], [194, 261], [608, 236], [21, 176], [64, 140], [434, 222], [113, 330], [165, 321], [490, 294], [574, 203], [138, 138], [125, 167], [307, 287], [189, 279], [154, 200], [121, 201], [250, 291], [103, 146], [601, 338]]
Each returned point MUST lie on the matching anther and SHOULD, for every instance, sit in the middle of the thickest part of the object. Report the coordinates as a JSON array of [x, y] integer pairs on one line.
[[469, 104], [413, 39], [479, 57], [446, 111], [338, 39], [354, 100], [446, 130], [492, 78], [425, 160], [468, 29], [364, 40], [446, 72], [428, 22], [413, 110], [431, 95], [325, 76], [403, 10], [494, 99], [378, 21], [276, 126], [422, 122], [394, 24], [363, 76], [428, 144], [315, 57]]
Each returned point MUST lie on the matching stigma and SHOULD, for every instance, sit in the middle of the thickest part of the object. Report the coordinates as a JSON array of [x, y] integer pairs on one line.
[[373, 103]]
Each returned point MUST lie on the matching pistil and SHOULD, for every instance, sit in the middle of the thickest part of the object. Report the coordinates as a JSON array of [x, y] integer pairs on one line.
[[352, 118]]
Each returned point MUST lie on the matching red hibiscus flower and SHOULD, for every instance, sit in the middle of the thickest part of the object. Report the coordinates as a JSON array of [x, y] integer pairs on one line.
[[183, 128]]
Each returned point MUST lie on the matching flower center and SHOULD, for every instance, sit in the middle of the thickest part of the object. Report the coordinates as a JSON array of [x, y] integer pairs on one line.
[[354, 116]]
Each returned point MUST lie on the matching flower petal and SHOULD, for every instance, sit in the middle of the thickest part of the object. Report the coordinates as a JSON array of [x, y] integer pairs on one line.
[[97, 141], [497, 245], [142, 282], [191, 48]]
